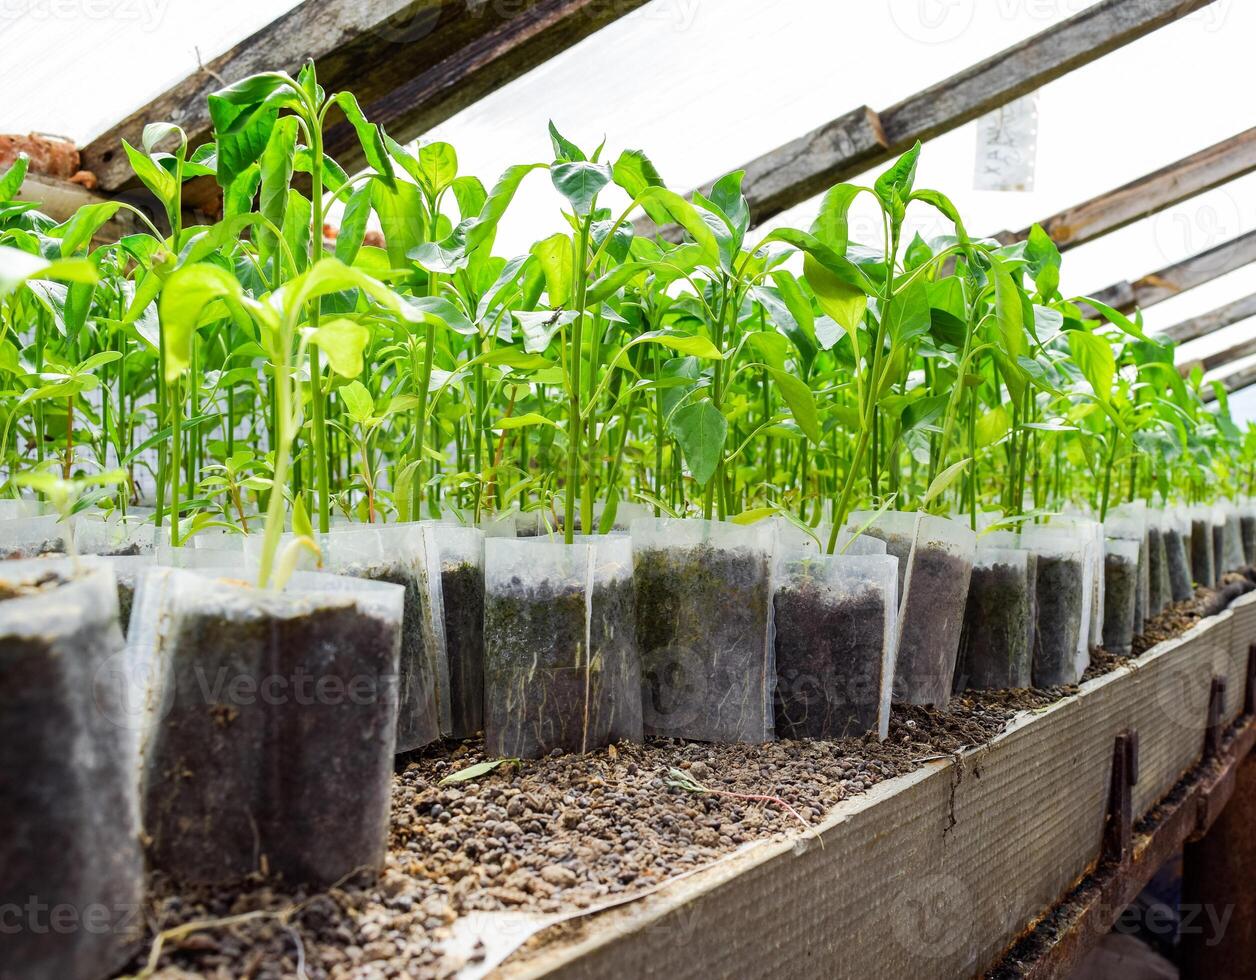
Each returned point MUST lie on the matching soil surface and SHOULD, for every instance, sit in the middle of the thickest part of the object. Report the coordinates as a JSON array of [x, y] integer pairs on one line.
[[563, 833]]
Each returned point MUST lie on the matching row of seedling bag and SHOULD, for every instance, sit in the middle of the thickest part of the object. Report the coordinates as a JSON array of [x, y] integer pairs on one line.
[[249, 730]]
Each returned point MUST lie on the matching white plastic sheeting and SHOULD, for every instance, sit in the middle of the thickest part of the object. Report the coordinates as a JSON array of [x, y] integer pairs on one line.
[[703, 86]]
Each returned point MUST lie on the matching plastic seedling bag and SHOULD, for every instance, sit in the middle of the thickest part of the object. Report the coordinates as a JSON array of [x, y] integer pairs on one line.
[[996, 649], [1232, 539], [1247, 531], [835, 630], [561, 669], [1176, 532], [1091, 535], [13, 507], [114, 537], [790, 538], [1217, 517], [935, 560], [69, 822], [1121, 572], [1203, 566], [1129, 522], [704, 627], [127, 571], [1063, 590], [394, 553], [268, 744], [1157, 567], [625, 513], [454, 576], [33, 537]]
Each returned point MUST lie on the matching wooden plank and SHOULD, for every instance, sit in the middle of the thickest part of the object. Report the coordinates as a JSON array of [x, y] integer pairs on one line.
[[1156, 287], [1235, 352], [1109, 212], [932, 874], [791, 178], [411, 64], [59, 199], [1211, 322], [1235, 381]]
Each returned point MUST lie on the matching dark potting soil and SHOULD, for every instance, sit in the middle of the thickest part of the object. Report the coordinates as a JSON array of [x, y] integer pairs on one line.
[[931, 622], [462, 587], [69, 841], [1059, 621], [29, 587], [39, 549], [996, 650], [1120, 584], [1247, 528], [1203, 571], [702, 629], [418, 715], [1156, 573], [543, 688], [829, 654], [1180, 585], [276, 746]]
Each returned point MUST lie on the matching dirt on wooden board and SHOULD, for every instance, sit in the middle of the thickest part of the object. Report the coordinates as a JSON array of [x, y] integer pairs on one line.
[[561, 834]]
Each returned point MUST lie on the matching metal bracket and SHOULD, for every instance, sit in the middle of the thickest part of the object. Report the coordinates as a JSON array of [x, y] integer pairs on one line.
[[1216, 712], [1118, 830]]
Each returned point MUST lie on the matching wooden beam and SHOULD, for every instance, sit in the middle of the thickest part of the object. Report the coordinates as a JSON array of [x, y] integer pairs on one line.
[[1156, 287], [1233, 353], [59, 199], [1235, 381], [1218, 164], [411, 64], [798, 170], [1211, 322]]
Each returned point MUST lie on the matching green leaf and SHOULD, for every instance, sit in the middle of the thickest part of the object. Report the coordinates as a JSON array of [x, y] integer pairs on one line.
[[908, 315], [700, 430], [555, 254], [353, 225], [634, 172], [801, 403], [437, 167], [564, 149], [580, 182], [184, 298], [832, 224], [301, 525], [17, 266], [675, 209], [156, 178], [473, 772], [358, 401], [1116, 318], [894, 187], [1009, 311], [1093, 356], [840, 300], [343, 341], [11, 182], [992, 425], [1044, 262], [370, 136], [523, 421], [276, 174], [241, 132], [943, 480]]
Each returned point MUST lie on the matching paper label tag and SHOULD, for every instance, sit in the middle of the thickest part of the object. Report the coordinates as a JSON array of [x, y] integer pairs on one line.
[[1007, 146]]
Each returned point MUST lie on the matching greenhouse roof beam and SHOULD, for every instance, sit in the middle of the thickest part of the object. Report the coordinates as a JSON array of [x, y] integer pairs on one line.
[[1235, 381], [1200, 172], [797, 171], [411, 63], [1232, 354], [1211, 322], [1156, 287]]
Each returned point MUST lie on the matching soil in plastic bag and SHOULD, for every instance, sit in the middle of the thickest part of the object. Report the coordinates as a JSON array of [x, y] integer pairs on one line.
[[1247, 528], [829, 658], [996, 649], [1179, 565], [1218, 552], [1156, 572], [703, 617], [462, 590], [273, 749], [418, 715], [932, 622], [1060, 588], [543, 692], [1203, 570], [69, 833], [1121, 589]]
